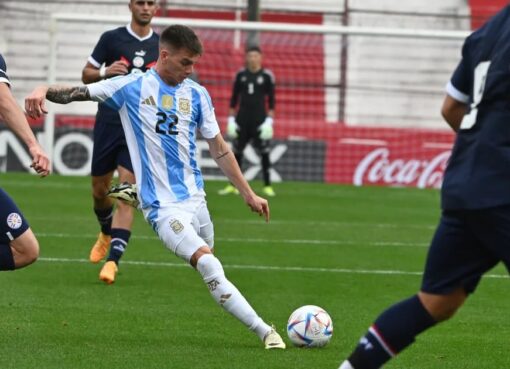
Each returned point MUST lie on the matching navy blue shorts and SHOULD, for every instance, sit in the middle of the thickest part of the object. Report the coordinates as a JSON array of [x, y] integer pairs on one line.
[[110, 149], [467, 244], [12, 222]]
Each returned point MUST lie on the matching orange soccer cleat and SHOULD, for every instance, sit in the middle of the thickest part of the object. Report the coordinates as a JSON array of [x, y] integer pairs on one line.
[[100, 248], [108, 272]]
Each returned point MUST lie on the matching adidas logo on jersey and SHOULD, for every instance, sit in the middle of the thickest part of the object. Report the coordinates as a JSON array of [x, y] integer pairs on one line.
[[149, 101]]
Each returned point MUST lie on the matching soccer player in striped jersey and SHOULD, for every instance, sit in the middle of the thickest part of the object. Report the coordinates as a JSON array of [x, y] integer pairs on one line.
[[18, 245], [129, 49], [161, 112]]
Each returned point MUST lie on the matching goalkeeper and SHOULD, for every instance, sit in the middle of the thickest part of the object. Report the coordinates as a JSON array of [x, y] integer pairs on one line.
[[254, 89]]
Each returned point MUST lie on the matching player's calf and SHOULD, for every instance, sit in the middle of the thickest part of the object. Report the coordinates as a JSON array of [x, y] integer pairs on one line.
[[229, 297], [393, 331], [443, 307]]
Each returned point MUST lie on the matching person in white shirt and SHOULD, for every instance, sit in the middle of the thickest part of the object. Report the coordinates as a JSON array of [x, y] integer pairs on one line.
[[161, 110]]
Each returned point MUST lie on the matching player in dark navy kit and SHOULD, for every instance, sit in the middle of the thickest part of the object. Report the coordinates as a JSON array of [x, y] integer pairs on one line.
[[130, 49], [254, 89], [473, 234], [18, 244]]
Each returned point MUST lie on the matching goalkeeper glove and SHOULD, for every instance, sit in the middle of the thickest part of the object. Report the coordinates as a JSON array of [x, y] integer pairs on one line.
[[232, 128], [266, 129]]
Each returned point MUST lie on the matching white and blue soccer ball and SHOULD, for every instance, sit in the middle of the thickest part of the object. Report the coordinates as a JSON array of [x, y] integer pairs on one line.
[[310, 326]]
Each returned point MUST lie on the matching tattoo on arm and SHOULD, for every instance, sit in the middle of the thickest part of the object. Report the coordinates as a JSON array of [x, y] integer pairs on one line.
[[222, 155], [64, 95]]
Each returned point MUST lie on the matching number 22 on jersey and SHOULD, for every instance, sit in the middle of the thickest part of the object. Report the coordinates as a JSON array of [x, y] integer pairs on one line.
[[481, 71]]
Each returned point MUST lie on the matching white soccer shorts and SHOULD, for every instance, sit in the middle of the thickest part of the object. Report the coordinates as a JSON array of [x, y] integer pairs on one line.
[[185, 226]]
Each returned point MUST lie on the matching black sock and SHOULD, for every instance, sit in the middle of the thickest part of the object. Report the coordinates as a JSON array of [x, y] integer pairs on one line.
[[239, 159], [266, 165], [6, 258], [394, 330], [104, 217], [120, 239]]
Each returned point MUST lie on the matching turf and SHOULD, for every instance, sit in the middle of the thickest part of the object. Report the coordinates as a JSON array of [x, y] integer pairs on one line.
[[352, 251]]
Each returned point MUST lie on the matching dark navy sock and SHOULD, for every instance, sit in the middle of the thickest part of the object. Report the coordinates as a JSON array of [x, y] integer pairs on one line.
[[6, 258], [394, 330], [120, 239], [104, 217]]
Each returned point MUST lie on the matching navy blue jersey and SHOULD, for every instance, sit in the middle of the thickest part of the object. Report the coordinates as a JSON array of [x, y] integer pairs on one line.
[[12, 222], [3, 71], [252, 90], [140, 54], [478, 173]]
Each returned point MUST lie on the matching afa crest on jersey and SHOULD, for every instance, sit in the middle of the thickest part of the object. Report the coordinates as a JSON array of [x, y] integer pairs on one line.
[[167, 102], [176, 226], [184, 106]]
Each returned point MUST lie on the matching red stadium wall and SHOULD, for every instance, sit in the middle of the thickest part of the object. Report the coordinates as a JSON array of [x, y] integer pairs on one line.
[[299, 74], [482, 10]]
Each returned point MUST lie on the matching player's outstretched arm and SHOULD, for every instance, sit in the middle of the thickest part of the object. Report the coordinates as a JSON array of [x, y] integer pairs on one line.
[[225, 159], [16, 121], [35, 102]]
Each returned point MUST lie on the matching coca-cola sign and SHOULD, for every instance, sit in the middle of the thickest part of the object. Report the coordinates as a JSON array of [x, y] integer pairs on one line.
[[378, 167], [388, 156]]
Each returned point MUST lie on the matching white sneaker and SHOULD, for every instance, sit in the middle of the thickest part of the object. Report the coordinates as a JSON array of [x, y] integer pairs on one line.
[[273, 340]]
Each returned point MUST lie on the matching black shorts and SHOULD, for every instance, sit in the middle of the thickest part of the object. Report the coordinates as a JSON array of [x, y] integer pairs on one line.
[[12, 222], [110, 149], [467, 243], [249, 133]]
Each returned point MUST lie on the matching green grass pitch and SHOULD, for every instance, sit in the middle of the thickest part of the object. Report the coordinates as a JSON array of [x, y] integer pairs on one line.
[[352, 251]]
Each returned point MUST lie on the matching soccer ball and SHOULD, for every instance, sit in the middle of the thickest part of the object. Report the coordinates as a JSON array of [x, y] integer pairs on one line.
[[309, 326]]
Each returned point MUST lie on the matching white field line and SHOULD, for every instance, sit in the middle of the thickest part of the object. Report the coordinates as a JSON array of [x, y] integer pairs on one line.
[[265, 268], [259, 240], [301, 223]]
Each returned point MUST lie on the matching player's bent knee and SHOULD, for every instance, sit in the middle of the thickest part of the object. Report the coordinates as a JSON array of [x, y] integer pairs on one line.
[[199, 254], [100, 186], [99, 192], [210, 267], [443, 307]]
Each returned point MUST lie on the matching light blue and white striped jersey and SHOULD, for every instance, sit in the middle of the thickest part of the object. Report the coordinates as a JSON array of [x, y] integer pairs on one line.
[[160, 123]]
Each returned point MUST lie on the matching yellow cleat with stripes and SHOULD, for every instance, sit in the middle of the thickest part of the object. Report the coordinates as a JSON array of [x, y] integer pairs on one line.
[[273, 340], [125, 192]]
